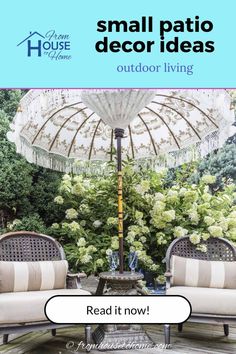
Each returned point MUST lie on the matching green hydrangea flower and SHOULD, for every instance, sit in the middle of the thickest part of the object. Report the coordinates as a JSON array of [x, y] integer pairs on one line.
[[81, 242], [180, 231], [168, 215], [209, 220], [74, 226], [112, 221], [100, 262], [208, 179], [215, 231], [71, 213], [202, 248], [85, 258], [195, 238], [59, 199]]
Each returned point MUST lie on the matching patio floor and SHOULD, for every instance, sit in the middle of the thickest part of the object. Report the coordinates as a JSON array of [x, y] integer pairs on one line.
[[195, 338]]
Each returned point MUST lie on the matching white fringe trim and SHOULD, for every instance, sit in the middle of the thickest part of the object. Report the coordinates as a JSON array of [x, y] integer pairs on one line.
[[60, 163]]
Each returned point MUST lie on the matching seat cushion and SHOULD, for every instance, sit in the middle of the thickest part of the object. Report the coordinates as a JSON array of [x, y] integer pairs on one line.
[[208, 300], [21, 307]]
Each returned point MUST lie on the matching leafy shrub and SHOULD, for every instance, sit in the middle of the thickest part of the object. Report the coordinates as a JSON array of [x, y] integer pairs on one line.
[[24, 188], [32, 222], [15, 177], [153, 216]]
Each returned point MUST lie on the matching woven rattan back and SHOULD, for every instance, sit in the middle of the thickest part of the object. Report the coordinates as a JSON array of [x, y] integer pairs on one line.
[[218, 249], [29, 247]]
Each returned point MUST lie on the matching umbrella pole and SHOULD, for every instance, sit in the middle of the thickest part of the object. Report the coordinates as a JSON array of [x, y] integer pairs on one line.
[[119, 134]]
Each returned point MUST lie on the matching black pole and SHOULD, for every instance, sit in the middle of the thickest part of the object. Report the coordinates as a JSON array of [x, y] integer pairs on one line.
[[119, 134]]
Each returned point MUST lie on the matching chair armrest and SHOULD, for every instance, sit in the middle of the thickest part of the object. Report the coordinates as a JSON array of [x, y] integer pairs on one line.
[[73, 280], [168, 274], [78, 275]]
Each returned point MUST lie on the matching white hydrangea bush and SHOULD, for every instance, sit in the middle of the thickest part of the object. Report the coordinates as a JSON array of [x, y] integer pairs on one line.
[[153, 216]]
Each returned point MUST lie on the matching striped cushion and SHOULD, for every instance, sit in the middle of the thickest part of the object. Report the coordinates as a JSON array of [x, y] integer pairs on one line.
[[29, 276], [199, 273]]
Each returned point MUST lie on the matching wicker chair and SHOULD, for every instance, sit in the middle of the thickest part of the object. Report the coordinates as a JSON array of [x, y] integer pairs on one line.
[[28, 247], [219, 249]]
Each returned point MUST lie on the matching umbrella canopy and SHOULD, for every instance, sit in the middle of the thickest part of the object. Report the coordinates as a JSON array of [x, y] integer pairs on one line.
[[53, 128]]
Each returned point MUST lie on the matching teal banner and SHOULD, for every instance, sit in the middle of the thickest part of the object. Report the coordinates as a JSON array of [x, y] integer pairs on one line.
[[105, 44]]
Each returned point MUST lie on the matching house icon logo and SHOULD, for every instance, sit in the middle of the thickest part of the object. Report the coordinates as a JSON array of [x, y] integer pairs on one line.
[[36, 47], [51, 45]]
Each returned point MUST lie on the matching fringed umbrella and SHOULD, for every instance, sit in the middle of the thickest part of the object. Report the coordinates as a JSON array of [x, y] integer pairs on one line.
[[55, 128]]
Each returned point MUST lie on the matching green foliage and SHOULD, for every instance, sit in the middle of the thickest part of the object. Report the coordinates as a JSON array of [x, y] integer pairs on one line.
[[9, 100], [154, 215], [24, 188], [33, 222], [15, 177], [181, 173], [221, 164], [44, 189]]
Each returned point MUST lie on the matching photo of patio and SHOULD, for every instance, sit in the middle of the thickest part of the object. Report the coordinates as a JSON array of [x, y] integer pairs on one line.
[[118, 192]]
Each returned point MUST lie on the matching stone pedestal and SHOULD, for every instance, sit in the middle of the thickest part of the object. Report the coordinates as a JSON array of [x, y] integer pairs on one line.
[[120, 336]]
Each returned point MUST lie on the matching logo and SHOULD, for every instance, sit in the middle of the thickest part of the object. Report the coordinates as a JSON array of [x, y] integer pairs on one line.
[[50, 45]]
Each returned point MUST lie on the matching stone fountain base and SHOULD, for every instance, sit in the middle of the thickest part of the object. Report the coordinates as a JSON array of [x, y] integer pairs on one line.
[[120, 336]]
